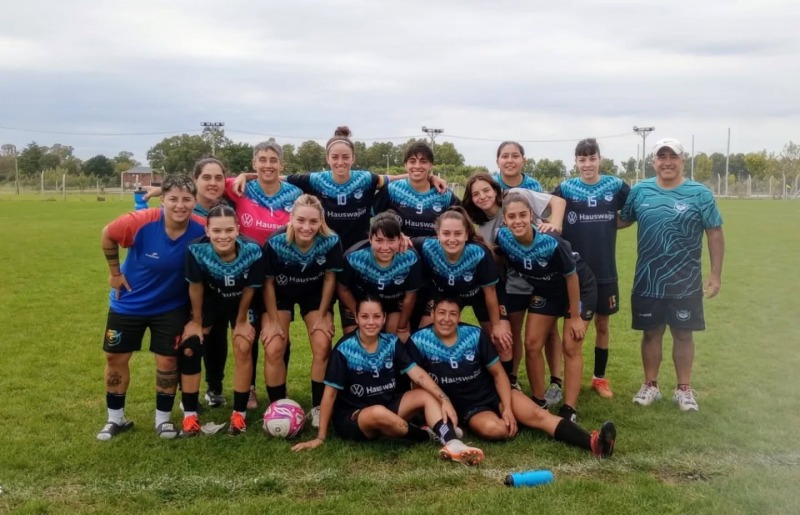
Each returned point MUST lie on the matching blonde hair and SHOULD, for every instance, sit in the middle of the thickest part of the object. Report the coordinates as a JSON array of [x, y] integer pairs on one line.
[[307, 200]]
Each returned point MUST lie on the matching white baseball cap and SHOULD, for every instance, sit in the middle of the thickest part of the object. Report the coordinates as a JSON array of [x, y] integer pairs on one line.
[[670, 143]]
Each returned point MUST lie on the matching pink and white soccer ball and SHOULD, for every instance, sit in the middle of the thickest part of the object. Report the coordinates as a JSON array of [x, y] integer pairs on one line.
[[284, 419]]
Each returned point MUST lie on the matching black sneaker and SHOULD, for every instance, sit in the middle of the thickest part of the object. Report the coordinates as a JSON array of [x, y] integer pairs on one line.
[[568, 413], [214, 399], [514, 383], [112, 429]]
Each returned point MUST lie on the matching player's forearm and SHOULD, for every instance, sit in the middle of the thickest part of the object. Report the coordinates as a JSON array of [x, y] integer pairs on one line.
[[716, 250], [574, 295], [270, 300], [492, 304], [407, 310], [196, 300], [242, 315], [111, 252], [346, 297], [501, 383], [328, 287], [422, 379], [557, 207], [326, 411]]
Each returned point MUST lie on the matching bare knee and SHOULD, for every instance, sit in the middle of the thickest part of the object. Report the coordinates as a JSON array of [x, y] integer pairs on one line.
[[493, 429], [117, 360], [242, 348]]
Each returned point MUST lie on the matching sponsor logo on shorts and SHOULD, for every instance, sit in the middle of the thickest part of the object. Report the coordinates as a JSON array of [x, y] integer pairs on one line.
[[282, 280], [113, 337], [538, 302], [612, 302], [572, 217], [644, 315], [357, 390], [247, 220], [589, 313], [683, 315]]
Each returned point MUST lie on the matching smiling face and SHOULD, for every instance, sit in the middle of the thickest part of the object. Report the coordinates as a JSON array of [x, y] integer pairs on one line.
[[384, 249], [340, 158], [418, 168], [178, 204], [668, 165], [452, 236], [223, 231], [589, 167], [306, 222], [484, 196], [268, 165], [518, 218], [446, 316], [510, 161], [370, 318], [210, 183]]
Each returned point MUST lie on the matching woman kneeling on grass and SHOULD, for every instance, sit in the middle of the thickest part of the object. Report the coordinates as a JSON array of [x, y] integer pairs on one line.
[[460, 355], [223, 270], [360, 392], [148, 292]]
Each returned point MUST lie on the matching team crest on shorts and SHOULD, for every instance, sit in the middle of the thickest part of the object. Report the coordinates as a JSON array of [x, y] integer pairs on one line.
[[538, 302], [683, 315], [113, 337]]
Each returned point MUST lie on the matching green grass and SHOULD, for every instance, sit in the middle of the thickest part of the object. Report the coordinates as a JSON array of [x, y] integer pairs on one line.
[[739, 454]]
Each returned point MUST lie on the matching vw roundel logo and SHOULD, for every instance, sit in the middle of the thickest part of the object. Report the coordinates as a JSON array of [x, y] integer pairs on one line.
[[434, 377], [357, 390], [247, 220], [572, 217], [282, 280]]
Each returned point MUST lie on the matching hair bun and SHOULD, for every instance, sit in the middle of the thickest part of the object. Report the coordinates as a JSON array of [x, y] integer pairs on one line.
[[343, 131]]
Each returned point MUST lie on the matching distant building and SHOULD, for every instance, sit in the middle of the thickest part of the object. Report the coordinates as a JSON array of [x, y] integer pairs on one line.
[[143, 175]]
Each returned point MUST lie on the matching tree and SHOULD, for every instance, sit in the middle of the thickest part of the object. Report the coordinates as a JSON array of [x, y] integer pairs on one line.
[[757, 164], [547, 169], [310, 156], [607, 167], [717, 164], [703, 167], [215, 138], [101, 167], [30, 159], [290, 164], [529, 168], [446, 154], [237, 157], [124, 161], [178, 154]]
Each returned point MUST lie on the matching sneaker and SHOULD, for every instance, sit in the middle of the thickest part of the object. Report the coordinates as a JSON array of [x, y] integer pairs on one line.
[[685, 400], [112, 429], [456, 450], [553, 395], [568, 413], [603, 440], [435, 438], [191, 427], [167, 430], [647, 395], [313, 415], [252, 401], [237, 425], [215, 400], [514, 383], [601, 386]]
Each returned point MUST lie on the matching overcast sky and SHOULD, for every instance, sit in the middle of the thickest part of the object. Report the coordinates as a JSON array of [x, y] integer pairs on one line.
[[88, 71]]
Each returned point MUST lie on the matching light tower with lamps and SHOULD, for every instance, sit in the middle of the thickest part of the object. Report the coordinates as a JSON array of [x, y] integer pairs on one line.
[[643, 132], [432, 133], [213, 126]]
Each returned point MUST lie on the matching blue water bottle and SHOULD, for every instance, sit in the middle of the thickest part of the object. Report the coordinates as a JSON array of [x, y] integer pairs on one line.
[[138, 198], [529, 478]]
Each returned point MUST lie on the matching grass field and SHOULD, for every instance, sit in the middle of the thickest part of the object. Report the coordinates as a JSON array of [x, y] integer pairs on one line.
[[739, 454]]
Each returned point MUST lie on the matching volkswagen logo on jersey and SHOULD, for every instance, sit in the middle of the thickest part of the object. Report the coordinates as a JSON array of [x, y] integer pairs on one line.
[[683, 315], [680, 207], [468, 277], [538, 302], [247, 220], [572, 217], [437, 206], [434, 377], [608, 197], [282, 280], [358, 194], [357, 390]]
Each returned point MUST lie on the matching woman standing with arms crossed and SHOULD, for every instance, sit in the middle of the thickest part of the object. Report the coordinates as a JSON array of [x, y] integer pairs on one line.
[[148, 291]]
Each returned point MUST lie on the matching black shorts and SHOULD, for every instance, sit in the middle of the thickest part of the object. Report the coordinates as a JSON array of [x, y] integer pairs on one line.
[[556, 304], [345, 422], [464, 415], [516, 302], [478, 303], [685, 313], [307, 305], [389, 306], [607, 298], [124, 333]]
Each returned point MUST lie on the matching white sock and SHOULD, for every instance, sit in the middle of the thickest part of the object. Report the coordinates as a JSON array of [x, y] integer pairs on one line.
[[187, 414], [161, 417], [116, 416]]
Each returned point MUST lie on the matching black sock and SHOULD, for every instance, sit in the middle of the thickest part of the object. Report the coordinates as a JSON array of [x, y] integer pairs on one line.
[[512, 378], [445, 432], [240, 400], [190, 401], [115, 400], [566, 411], [417, 434], [540, 402], [571, 433], [555, 380], [508, 366], [600, 362], [276, 393], [165, 401], [317, 387]]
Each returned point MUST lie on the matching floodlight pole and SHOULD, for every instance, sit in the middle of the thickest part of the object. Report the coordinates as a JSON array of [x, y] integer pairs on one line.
[[16, 169], [432, 133], [643, 132], [213, 126]]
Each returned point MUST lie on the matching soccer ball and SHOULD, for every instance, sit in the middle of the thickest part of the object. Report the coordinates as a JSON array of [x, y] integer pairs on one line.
[[284, 419]]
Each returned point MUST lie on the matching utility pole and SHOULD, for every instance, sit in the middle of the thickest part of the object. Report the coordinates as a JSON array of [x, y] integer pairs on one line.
[[213, 126], [643, 132], [432, 133], [16, 170]]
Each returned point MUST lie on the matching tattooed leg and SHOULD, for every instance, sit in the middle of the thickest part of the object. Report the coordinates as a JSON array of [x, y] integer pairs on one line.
[[117, 372]]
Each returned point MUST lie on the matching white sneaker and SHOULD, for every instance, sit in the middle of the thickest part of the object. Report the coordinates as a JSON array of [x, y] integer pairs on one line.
[[647, 395], [456, 450], [314, 416], [685, 400], [553, 395]]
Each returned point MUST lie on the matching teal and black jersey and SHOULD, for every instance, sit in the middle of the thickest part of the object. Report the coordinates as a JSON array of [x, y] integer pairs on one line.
[[590, 221], [475, 269], [528, 183], [347, 206], [544, 263], [366, 378], [224, 281], [299, 274], [670, 236], [364, 276], [418, 211], [458, 369]]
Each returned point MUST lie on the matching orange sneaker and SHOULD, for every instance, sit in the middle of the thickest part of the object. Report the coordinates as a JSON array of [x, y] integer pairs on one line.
[[456, 450], [191, 427], [602, 388], [603, 441], [237, 425]]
